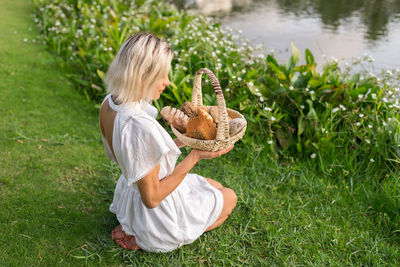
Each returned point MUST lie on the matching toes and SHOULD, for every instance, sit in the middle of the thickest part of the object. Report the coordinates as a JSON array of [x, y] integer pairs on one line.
[[130, 243], [123, 240], [121, 244], [118, 228], [119, 235]]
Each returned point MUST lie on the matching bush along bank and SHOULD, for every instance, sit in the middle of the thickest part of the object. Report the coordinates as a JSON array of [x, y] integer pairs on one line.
[[342, 120]]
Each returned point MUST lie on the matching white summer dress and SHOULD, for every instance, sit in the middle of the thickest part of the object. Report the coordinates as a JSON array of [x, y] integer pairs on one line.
[[140, 143]]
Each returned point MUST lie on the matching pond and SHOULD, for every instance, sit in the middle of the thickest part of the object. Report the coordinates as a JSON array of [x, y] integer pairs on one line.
[[338, 29]]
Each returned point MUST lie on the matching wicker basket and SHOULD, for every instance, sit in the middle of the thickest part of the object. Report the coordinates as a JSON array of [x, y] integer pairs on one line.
[[223, 140]]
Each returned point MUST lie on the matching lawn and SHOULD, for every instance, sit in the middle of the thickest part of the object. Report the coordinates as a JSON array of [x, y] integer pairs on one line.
[[56, 185]]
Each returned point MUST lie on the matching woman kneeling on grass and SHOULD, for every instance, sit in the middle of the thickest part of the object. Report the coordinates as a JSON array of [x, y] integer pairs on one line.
[[159, 206]]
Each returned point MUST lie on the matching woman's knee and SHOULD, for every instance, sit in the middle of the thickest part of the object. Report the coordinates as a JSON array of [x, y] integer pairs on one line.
[[230, 199], [214, 183]]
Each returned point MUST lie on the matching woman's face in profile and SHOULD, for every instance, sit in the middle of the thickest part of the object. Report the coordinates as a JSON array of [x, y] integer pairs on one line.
[[160, 87]]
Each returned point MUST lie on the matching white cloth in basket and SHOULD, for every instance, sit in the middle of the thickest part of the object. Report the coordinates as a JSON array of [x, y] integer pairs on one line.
[[140, 143]]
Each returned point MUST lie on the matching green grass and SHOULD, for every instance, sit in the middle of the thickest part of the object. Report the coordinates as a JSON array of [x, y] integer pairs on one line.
[[56, 185]]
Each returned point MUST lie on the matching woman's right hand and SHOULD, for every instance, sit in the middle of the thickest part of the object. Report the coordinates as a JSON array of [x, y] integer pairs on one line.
[[200, 154]]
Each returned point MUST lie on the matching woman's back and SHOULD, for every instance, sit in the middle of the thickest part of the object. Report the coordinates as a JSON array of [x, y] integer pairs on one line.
[[107, 117]]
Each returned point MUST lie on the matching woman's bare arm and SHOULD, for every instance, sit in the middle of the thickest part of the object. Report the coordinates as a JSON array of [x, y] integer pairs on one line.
[[179, 143], [153, 191]]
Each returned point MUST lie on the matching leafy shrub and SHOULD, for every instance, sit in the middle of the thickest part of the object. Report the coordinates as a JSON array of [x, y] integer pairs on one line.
[[292, 109]]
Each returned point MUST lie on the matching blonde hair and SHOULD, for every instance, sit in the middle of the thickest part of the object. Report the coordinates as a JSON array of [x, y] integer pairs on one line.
[[140, 63]]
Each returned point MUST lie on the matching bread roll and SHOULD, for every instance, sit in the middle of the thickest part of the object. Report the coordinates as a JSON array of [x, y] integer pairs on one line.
[[201, 126], [176, 117]]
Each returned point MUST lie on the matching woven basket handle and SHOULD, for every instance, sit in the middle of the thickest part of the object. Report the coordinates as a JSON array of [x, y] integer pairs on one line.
[[197, 100]]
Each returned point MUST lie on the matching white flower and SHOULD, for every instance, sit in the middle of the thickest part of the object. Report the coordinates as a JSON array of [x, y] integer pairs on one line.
[[259, 94], [262, 99], [267, 109], [273, 118], [372, 160], [270, 142], [361, 115], [373, 96], [360, 96], [239, 79], [335, 109], [302, 106], [368, 142], [227, 89], [251, 83], [370, 126], [313, 155], [358, 123], [312, 92], [291, 88], [25, 40]]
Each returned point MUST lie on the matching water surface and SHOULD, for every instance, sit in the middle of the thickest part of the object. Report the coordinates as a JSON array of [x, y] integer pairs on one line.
[[340, 29]]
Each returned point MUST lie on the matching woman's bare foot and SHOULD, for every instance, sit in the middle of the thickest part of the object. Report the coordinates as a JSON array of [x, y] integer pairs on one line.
[[123, 240], [129, 242], [117, 233]]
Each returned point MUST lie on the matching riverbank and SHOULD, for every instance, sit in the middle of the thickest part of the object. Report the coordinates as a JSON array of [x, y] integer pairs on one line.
[[56, 185]]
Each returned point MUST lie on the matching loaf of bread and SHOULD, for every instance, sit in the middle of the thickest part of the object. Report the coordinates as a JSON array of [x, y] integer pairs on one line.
[[201, 126], [235, 125], [177, 118], [213, 110], [189, 109]]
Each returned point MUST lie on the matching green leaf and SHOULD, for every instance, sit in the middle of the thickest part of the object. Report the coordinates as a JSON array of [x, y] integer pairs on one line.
[[138, 3], [300, 124], [271, 60], [298, 146], [100, 73], [278, 72], [295, 53], [174, 90], [311, 115], [309, 57], [284, 137]]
